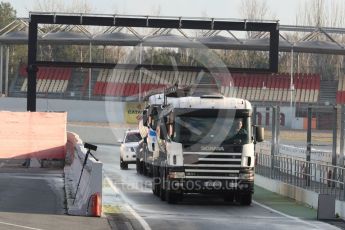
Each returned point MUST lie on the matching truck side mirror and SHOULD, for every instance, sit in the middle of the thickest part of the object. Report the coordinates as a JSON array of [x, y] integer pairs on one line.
[[259, 134]]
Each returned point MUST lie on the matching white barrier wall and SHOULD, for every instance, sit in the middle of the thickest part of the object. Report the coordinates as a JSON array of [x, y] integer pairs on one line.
[[293, 192], [99, 135], [77, 110], [90, 186], [299, 194], [296, 193], [296, 152]]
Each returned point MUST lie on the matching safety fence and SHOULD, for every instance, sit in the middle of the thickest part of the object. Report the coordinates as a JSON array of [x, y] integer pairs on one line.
[[317, 177]]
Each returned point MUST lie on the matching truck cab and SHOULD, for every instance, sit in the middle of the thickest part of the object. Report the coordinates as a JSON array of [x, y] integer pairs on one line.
[[204, 144]]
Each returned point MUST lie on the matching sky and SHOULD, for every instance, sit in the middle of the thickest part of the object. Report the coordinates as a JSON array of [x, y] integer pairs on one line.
[[284, 10]]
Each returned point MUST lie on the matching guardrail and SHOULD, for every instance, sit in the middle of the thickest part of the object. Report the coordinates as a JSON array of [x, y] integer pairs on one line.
[[317, 177]]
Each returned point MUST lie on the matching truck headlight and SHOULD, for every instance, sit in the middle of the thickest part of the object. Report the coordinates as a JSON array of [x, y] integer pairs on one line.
[[246, 176], [175, 175], [190, 173]]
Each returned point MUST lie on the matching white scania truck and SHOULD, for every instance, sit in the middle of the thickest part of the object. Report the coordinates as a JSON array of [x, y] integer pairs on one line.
[[198, 142]]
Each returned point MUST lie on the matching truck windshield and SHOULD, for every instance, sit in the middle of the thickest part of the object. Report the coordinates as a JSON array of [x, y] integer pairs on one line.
[[215, 130]]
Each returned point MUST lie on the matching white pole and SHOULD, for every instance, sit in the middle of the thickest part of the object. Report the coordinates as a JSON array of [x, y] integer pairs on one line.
[[140, 75], [291, 88], [298, 63], [90, 59], [7, 67], [291, 78], [1, 68]]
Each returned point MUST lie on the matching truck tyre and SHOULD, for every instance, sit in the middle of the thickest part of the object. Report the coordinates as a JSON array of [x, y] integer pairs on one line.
[[156, 186], [172, 197], [123, 165], [161, 189], [246, 199], [137, 165], [150, 173], [229, 197], [141, 167], [144, 169]]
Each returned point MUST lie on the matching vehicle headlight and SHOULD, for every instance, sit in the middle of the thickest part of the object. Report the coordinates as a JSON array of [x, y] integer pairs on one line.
[[190, 173], [175, 175], [246, 176]]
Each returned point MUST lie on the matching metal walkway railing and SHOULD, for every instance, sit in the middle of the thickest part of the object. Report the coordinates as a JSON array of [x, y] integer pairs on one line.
[[317, 177]]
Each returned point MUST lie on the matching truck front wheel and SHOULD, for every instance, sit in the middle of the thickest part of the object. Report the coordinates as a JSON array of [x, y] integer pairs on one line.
[[229, 197], [144, 169], [156, 182], [172, 197], [245, 199], [161, 189], [138, 166]]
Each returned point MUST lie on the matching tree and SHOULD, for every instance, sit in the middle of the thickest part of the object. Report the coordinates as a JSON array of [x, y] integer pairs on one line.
[[75, 6], [319, 14], [7, 14], [60, 52], [254, 9]]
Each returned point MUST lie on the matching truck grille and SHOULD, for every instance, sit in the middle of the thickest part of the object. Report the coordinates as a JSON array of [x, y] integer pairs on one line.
[[212, 165]]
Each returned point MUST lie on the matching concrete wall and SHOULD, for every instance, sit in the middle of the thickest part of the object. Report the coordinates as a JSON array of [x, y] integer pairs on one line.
[[98, 134], [80, 202], [32, 135], [296, 193], [299, 194], [77, 110]]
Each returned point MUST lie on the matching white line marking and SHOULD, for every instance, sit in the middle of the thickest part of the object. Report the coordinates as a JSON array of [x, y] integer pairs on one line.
[[141, 220], [286, 215], [19, 226]]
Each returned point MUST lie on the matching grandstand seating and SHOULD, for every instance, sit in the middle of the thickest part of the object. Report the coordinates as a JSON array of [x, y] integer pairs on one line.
[[126, 83], [254, 87], [49, 80], [272, 87]]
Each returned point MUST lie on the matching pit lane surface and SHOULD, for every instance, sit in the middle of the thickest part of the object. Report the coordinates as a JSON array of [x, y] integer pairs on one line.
[[195, 211]]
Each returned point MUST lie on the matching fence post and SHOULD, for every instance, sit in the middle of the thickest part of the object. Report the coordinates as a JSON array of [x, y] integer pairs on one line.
[[295, 172], [343, 184], [315, 181], [273, 145], [290, 171], [277, 128], [308, 152], [342, 132], [334, 146]]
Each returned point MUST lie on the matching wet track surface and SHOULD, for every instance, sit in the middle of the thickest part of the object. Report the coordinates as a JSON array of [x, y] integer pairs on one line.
[[195, 211]]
